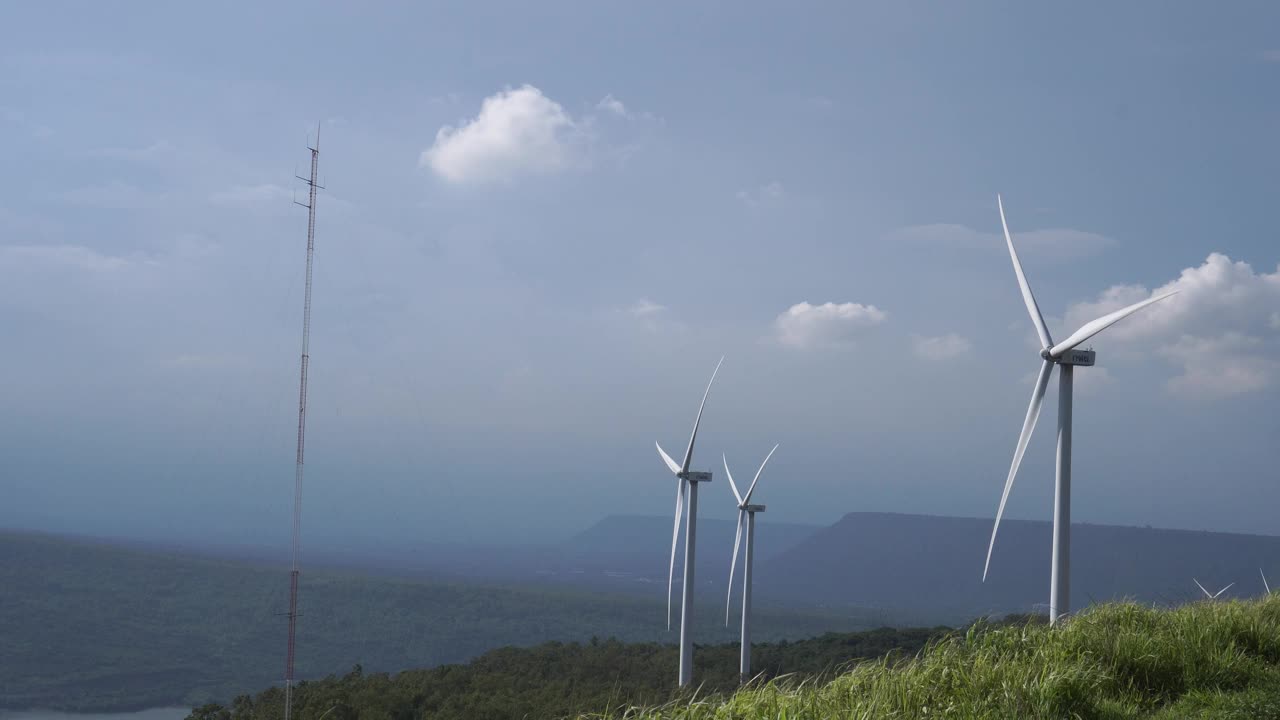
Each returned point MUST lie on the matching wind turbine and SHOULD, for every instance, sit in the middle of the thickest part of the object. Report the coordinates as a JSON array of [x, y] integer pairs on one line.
[[746, 511], [1213, 596], [1265, 584], [686, 484], [1066, 356]]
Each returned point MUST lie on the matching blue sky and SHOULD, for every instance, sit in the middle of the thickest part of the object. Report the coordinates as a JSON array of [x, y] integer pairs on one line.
[[543, 226]]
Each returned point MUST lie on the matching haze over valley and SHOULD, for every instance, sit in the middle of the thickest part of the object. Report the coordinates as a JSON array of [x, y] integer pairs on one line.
[[390, 361]]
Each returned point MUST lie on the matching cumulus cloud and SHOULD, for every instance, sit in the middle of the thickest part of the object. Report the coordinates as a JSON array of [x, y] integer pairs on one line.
[[251, 197], [943, 347], [613, 105], [644, 307], [160, 148], [765, 194], [650, 316], [807, 326], [1053, 244], [517, 132], [26, 258], [1220, 329], [114, 195]]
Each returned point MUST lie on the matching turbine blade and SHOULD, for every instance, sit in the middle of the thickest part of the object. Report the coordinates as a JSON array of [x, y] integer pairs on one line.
[[1228, 587], [688, 454], [1032, 308], [732, 486], [1206, 592], [1028, 425], [733, 565], [670, 463], [757, 478], [675, 537], [1094, 327], [1265, 584]]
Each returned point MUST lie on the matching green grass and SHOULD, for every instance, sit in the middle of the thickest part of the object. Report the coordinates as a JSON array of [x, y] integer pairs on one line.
[[1204, 660]]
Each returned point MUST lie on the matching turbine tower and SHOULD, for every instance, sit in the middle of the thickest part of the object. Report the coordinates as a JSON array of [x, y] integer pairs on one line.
[[686, 484], [746, 511], [1067, 357]]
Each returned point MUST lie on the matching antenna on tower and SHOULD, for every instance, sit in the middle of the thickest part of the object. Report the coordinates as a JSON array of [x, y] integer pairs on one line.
[[296, 545]]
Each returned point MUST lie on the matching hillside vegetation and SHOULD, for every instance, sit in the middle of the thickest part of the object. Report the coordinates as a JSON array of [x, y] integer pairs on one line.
[[558, 679], [1203, 660]]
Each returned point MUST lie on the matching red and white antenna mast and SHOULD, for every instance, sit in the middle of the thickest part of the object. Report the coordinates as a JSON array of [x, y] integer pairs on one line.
[[310, 205]]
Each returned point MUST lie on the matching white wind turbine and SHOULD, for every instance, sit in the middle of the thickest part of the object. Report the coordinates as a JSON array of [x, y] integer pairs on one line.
[[1065, 355], [746, 511], [1214, 596], [686, 483]]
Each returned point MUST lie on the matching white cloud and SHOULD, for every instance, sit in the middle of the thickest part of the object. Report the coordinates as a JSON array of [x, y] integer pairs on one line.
[[648, 315], [24, 124], [808, 326], [943, 347], [115, 195], [518, 132], [157, 149], [251, 197], [12, 223], [1228, 364], [765, 194], [30, 257], [1053, 244], [613, 105], [644, 307], [204, 362], [1220, 328]]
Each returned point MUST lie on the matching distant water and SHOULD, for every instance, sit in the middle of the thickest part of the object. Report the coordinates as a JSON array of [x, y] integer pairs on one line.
[[169, 713]]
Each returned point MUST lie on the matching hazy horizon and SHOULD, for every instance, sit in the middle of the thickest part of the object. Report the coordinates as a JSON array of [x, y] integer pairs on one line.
[[543, 227]]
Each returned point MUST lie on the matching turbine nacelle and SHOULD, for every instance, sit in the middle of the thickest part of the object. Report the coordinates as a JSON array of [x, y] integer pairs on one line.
[[751, 508], [694, 476], [1083, 358]]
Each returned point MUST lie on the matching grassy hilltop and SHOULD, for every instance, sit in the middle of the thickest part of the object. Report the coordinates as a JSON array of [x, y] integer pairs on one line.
[[1204, 660]]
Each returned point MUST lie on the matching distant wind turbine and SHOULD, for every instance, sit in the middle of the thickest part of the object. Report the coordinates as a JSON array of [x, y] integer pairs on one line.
[[1065, 355], [1213, 596], [686, 484], [746, 511]]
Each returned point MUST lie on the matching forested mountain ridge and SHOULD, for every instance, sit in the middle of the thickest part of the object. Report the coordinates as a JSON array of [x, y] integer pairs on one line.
[[902, 562]]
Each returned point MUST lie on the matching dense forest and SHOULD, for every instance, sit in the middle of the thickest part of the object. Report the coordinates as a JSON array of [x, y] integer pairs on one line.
[[93, 627], [559, 679]]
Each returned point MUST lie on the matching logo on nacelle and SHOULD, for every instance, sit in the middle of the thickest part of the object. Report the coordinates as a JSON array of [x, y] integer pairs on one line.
[[1078, 357]]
